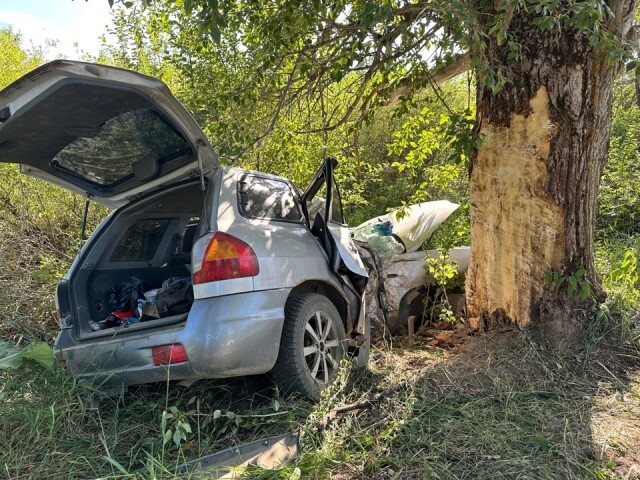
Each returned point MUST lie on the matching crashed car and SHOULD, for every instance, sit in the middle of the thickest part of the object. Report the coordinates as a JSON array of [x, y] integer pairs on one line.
[[263, 282], [390, 248]]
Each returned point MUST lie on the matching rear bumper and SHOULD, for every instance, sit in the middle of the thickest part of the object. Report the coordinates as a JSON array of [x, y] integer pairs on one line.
[[225, 336]]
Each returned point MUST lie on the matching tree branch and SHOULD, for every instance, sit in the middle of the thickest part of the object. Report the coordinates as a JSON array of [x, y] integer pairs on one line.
[[441, 74]]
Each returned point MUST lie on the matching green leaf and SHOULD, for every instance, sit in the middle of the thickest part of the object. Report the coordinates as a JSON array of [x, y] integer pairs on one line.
[[585, 290], [10, 356], [40, 352], [163, 421], [116, 464], [304, 68], [177, 437], [548, 277], [542, 442], [214, 31], [166, 437], [217, 414]]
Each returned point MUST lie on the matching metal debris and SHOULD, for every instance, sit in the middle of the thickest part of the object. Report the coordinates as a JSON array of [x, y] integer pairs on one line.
[[269, 453]]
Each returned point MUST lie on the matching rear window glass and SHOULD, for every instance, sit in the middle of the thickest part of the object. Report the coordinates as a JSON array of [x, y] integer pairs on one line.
[[266, 198], [141, 241], [106, 154]]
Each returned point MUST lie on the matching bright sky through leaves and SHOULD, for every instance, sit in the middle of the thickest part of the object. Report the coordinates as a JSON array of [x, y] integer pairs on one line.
[[65, 22]]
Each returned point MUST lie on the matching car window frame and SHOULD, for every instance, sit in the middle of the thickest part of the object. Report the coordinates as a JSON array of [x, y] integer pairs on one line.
[[324, 176], [294, 195]]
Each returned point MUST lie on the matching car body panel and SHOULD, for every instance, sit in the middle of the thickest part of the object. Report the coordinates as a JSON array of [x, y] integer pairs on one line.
[[225, 336], [347, 249]]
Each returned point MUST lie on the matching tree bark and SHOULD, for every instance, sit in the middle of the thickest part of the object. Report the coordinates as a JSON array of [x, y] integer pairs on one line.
[[535, 178]]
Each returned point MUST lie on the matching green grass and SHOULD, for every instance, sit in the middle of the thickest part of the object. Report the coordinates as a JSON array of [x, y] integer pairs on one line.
[[495, 407], [47, 428]]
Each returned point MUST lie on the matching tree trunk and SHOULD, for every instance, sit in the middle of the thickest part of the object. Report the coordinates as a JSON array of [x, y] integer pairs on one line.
[[535, 178]]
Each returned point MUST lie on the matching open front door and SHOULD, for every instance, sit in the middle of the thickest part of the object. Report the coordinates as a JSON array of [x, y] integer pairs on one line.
[[323, 209]]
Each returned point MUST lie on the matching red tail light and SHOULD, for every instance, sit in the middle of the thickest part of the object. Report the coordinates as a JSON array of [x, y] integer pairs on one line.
[[168, 354], [226, 257]]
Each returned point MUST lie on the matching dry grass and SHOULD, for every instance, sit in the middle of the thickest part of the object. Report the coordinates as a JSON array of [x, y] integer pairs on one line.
[[495, 406]]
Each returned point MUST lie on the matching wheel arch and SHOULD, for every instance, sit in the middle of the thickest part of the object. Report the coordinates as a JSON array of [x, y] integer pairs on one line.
[[330, 291], [410, 304]]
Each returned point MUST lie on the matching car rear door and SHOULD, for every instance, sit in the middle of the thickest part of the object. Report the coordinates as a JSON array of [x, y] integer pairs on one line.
[[101, 131]]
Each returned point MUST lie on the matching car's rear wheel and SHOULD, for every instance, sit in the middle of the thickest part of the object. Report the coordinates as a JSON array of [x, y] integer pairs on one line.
[[312, 346]]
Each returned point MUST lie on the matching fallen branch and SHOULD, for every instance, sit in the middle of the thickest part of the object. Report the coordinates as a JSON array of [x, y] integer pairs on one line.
[[362, 405]]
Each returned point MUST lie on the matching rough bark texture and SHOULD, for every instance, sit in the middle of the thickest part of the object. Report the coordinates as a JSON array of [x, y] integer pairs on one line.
[[535, 179]]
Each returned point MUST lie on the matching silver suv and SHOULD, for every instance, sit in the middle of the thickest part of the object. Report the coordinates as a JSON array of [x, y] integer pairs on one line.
[[275, 282]]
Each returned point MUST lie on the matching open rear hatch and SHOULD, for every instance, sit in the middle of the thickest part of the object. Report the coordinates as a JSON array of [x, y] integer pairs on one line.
[[100, 131]]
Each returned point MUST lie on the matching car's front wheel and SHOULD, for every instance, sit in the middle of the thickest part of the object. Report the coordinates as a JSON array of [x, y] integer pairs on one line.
[[311, 347]]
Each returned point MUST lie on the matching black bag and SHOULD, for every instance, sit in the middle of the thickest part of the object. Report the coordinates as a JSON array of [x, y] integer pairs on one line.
[[124, 297], [175, 297]]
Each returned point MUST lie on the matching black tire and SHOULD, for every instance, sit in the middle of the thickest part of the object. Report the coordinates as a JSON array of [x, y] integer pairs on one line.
[[311, 347]]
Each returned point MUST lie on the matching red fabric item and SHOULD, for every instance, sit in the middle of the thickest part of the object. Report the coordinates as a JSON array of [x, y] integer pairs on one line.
[[127, 314]]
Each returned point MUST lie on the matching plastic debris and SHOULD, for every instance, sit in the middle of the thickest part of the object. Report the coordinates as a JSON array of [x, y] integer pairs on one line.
[[151, 295], [270, 453], [149, 311]]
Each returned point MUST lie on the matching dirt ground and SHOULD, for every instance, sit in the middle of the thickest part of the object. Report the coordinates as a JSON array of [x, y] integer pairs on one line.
[[579, 405]]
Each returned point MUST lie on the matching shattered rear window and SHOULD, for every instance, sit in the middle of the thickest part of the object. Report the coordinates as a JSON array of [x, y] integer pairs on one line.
[[267, 198], [105, 154]]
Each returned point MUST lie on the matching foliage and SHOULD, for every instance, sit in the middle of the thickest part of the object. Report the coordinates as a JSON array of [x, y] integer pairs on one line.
[[249, 125], [617, 262], [618, 206], [432, 148], [443, 270], [396, 48], [11, 355], [575, 283], [442, 278], [15, 61], [39, 228]]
